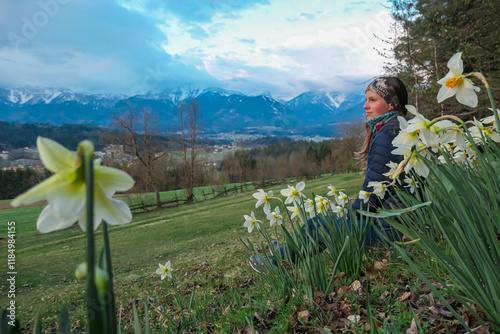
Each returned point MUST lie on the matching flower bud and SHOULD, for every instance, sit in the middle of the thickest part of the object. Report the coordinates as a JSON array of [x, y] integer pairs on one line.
[[86, 149], [101, 281], [81, 271]]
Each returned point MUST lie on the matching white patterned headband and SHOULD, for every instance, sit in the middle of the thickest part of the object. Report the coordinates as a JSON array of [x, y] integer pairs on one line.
[[384, 88]]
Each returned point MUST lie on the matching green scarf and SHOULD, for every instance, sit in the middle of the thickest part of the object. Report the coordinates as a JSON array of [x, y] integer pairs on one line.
[[380, 119]]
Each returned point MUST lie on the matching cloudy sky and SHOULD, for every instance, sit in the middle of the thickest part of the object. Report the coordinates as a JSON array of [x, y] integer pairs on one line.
[[283, 47]]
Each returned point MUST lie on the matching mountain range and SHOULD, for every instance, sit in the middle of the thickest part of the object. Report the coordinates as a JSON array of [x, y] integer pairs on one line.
[[310, 114]]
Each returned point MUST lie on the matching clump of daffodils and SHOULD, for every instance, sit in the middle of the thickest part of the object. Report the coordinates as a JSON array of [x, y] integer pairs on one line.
[[302, 207]]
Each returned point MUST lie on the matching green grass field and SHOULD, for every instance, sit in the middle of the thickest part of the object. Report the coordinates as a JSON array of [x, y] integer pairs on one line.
[[200, 239]]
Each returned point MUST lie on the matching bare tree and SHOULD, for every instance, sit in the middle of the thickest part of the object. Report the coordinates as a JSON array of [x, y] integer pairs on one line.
[[141, 136], [190, 126]]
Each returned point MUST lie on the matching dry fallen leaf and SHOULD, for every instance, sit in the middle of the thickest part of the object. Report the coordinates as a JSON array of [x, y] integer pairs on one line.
[[405, 296], [413, 327], [384, 295], [379, 266], [354, 318], [356, 285], [303, 316]]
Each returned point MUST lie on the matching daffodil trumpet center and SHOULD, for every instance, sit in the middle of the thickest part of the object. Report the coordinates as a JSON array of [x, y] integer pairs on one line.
[[85, 151], [80, 171], [455, 81]]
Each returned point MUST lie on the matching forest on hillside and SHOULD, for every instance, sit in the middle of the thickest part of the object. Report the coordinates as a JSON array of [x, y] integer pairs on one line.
[[427, 33], [265, 158]]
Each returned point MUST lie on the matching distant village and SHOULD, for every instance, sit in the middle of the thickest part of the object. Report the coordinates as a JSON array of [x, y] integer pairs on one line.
[[28, 158]]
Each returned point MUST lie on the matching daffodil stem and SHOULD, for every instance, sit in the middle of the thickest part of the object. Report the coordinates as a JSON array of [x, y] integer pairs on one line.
[[91, 295], [455, 118], [89, 180], [110, 304]]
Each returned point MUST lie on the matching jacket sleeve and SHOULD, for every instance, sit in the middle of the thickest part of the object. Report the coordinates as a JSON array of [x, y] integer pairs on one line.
[[379, 156]]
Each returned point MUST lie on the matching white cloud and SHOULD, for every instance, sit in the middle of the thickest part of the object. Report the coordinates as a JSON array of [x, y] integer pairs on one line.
[[283, 46]]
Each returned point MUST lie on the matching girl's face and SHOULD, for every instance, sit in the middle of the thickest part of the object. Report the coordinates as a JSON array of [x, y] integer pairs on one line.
[[375, 105]]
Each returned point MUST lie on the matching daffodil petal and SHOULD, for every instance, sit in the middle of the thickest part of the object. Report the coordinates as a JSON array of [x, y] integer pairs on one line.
[[40, 191], [82, 221], [449, 75], [467, 96], [68, 201], [49, 222], [113, 179], [55, 157], [301, 185], [455, 64], [445, 92], [113, 211], [469, 85]]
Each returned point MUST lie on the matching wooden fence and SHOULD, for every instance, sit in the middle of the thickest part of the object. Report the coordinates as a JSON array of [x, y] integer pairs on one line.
[[213, 192]]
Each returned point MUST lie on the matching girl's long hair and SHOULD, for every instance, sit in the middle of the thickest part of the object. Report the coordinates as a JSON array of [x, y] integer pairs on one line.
[[402, 95]]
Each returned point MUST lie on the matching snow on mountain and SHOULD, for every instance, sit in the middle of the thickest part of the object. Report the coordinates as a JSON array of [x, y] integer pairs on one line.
[[222, 110], [315, 99], [187, 93], [34, 96]]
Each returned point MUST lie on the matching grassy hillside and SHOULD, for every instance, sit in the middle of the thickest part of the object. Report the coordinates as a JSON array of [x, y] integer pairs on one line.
[[201, 240]]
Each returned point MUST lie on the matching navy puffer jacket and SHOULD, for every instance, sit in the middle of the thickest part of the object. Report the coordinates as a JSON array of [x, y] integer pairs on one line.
[[379, 156]]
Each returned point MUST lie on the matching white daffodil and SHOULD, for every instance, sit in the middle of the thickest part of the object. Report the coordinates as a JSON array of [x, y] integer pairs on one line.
[[251, 222], [293, 194], [342, 199], [411, 184], [378, 188], [275, 217], [320, 208], [453, 134], [417, 164], [295, 211], [406, 138], [413, 161], [340, 211], [321, 203], [479, 130], [263, 198], [364, 195], [309, 205], [469, 150], [426, 132], [460, 157], [333, 191], [455, 83], [165, 270], [65, 191], [411, 109], [392, 171], [490, 120]]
